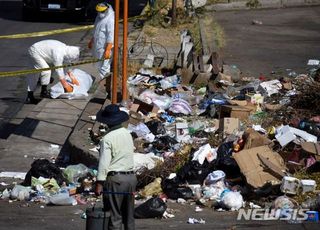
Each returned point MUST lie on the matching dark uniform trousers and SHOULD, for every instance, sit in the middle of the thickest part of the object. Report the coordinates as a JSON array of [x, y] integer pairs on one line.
[[118, 199]]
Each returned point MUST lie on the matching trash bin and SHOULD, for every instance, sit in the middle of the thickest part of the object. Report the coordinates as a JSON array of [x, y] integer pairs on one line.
[[97, 219]]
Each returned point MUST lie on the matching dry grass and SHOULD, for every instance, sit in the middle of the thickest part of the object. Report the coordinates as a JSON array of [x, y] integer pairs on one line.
[[163, 169], [303, 175], [133, 67], [215, 31]]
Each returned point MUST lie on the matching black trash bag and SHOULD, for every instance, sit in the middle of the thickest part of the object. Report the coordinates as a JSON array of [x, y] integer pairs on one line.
[[193, 172], [247, 90], [224, 161], [46, 169], [164, 143], [152, 208], [173, 191], [156, 127]]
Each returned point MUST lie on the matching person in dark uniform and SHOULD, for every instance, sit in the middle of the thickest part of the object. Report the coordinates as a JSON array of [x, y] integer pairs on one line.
[[116, 178]]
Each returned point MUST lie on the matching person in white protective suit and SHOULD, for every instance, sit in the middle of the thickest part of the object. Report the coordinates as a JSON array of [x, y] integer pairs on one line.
[[102, 39], [45, 54]]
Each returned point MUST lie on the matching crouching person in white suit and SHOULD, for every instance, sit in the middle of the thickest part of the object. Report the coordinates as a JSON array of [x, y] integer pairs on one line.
[[45, 54]]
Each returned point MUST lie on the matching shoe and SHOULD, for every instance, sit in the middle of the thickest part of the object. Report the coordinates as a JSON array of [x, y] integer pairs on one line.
[[45, 94], [31, 99]]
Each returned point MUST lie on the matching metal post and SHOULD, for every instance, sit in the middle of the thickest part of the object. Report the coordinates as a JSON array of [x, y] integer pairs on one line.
[[174, 13], [125, 50], [115, 53]]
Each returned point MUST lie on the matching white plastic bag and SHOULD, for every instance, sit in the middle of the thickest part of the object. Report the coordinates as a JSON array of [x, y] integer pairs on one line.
[[20, 192], [232, 200], [74, 172], [62, 199], [81, 91], [149, 97], [205, 152]]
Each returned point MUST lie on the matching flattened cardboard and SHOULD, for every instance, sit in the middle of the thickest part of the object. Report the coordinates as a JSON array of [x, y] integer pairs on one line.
[[311, 147], [254, 139], [278, 171], [252, 167]]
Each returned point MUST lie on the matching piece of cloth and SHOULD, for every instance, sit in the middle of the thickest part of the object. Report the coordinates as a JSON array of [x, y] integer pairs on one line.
[[47, 53], [116, 154], [103, 33]]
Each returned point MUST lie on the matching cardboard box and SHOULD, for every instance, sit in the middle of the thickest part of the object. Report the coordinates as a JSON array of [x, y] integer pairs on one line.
[[229, 125], [140, 106], [256, 173], [238, 102], [235, 111]]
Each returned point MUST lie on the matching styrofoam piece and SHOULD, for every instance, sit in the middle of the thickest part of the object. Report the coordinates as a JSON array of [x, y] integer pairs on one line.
[[303, 134], [290, 185], [308, 185], [284, 135]]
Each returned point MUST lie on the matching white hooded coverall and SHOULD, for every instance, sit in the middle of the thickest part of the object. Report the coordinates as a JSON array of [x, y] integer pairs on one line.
[[48, 53], [103, 33]]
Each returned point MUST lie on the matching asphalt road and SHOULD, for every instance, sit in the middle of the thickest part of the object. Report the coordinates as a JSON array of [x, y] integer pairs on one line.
[[284, 42]]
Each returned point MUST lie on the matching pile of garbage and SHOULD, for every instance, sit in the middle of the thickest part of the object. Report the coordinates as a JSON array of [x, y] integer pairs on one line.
[[233, 143], [46, 183]]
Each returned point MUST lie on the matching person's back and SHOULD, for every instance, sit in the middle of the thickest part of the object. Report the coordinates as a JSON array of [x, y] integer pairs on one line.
[[45, 54], [116, 178], [49, 49], [122, 148]]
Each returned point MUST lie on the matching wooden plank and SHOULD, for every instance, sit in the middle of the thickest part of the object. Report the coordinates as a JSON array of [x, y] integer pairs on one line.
[[195, 63], [201, 66], [215, 61]]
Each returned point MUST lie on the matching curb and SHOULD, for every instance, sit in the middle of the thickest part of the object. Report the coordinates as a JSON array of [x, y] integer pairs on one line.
[[264, 4], [79, 143]]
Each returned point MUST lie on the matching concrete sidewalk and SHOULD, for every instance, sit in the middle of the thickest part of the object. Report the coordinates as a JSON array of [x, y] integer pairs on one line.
[[262, 4]]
